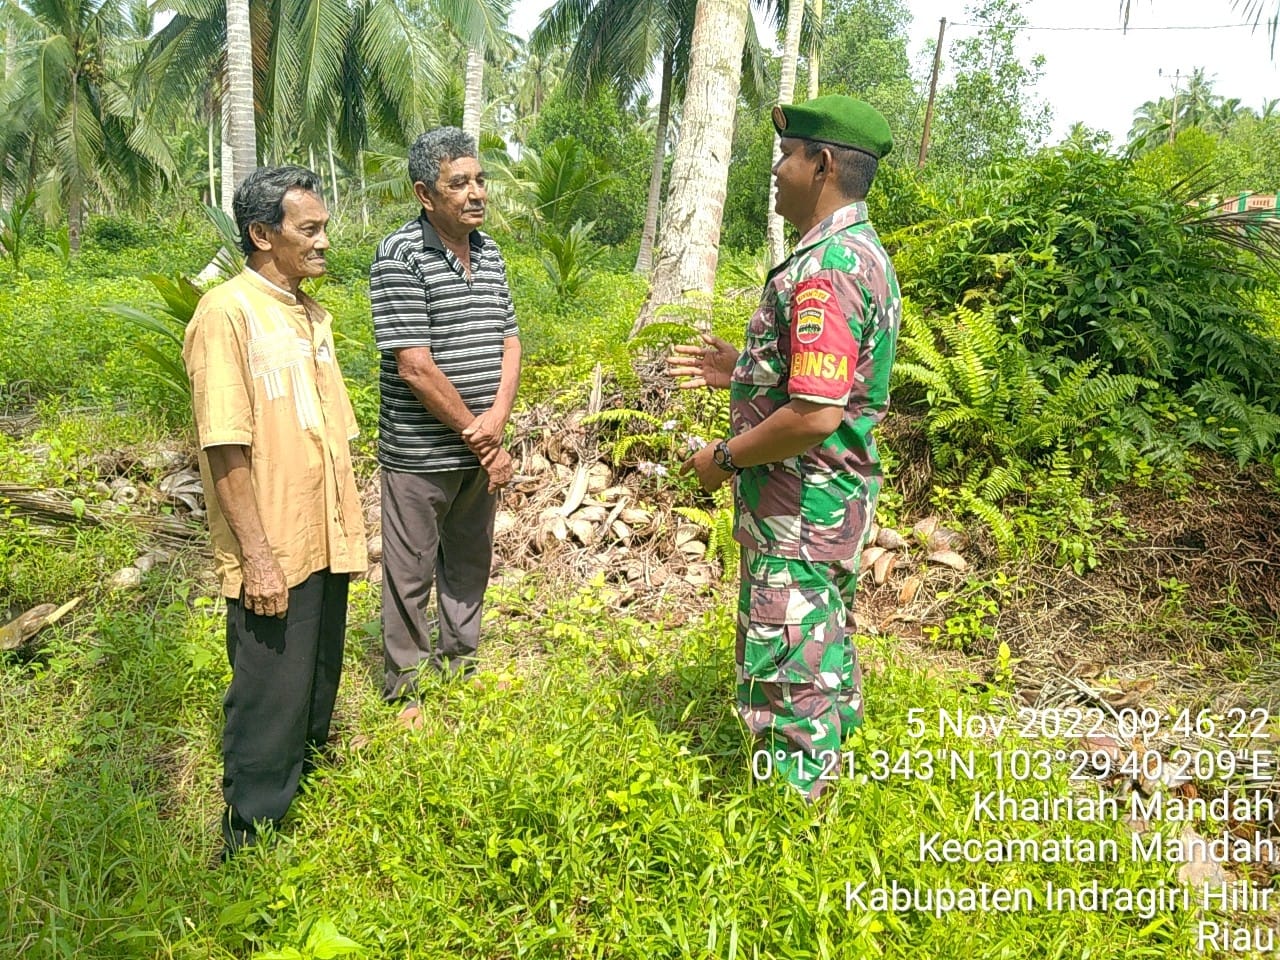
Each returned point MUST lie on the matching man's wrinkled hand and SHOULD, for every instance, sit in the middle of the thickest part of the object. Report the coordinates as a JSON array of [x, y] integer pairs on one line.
[[710, 476], [484, 435], [501, 468], [265, 591], [710, 365]]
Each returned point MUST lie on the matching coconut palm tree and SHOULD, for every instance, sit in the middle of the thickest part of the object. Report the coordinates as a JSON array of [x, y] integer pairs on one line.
[[530, 79], [242, 140], [815, 48], [327, 74], [67, 103], [688, 247], [1153, 124], [786, 93], [616, 43], [480, 25], [1225, 114]]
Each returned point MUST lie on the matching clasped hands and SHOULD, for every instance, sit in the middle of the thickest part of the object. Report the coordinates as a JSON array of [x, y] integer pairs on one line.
[[484, 437]]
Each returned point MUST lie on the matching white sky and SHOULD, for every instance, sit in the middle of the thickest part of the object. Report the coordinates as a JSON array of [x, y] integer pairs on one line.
[[1102, 77]]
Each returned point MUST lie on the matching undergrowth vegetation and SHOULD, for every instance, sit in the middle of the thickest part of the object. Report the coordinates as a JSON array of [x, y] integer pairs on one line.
[[620, 821], [1069, 330]]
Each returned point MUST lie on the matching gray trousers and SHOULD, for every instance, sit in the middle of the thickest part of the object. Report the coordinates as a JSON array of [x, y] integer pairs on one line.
[[284, 681], [436, 527]]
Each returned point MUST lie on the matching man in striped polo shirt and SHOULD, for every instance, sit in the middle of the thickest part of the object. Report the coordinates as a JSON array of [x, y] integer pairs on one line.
[[444, 322]]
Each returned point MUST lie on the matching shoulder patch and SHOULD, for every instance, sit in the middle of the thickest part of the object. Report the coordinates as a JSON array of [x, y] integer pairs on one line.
[[810, 312]]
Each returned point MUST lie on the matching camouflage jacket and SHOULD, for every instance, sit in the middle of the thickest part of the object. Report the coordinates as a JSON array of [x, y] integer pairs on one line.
[[825, 331]]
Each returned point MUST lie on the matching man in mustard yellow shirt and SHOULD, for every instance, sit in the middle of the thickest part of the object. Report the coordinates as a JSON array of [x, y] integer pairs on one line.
[[274, 423]]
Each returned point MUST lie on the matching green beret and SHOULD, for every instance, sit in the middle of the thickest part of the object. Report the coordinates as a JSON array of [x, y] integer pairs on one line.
[[836, 119]]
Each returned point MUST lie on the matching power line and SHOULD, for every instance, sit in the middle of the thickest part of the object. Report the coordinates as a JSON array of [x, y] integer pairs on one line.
[[1219, 26]]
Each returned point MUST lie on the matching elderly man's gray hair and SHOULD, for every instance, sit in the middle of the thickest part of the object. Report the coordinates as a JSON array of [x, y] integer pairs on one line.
[[260, 198], [433, 148]]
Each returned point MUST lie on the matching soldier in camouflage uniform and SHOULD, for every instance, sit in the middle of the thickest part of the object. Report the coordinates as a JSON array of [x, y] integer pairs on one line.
[[805, 393]]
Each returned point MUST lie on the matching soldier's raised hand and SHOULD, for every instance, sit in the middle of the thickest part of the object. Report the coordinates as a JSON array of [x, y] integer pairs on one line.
[[710, 365]]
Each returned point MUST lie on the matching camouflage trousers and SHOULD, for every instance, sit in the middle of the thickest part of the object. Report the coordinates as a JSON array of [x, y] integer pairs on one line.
[[799, 683]]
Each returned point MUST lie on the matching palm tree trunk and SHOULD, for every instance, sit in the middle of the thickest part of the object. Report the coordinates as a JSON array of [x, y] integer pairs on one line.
[[8, 188], [244, 146], [644, 260], [227, 157], [75, 186], [213, 180], [689, 247], [786, 93], [471, 103], [815, 56], [333, 167], [364, 192]]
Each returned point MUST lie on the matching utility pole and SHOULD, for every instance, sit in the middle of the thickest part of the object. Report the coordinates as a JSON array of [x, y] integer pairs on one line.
[[933, 90], [1173, 116]]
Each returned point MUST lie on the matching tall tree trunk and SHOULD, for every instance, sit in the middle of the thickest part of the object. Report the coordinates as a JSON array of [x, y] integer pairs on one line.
[[239, 103], [689, 246], [227, 156], [75, 185], [364, 192], [786, 93], [8, 187], [815, 56], [213, 179], [644, 260], [333, 167], [471, 103]]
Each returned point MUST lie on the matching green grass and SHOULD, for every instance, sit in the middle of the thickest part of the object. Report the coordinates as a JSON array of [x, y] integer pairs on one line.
[[600, 807]]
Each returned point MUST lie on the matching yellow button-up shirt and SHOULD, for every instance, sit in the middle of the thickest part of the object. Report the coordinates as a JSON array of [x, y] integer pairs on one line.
[[264, 376]]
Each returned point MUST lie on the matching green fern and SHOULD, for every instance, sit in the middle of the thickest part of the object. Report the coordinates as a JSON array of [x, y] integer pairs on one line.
[[718, 523], [997, 415], [1246, 431]]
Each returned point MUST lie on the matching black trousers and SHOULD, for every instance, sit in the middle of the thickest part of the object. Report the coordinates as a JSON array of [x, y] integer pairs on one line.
[[284, 681]]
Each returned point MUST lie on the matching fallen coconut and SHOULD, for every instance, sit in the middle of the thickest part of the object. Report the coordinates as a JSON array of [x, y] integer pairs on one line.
[[870, 556], [948, 558], [591, 514], [688, 533], [694, 549], [374, 547], [883, 567], [890, 539], [943, 538], [128, 578], [910, 589], [636, 517], [924, 528], [599, 478], [700, 575], [584, 531]]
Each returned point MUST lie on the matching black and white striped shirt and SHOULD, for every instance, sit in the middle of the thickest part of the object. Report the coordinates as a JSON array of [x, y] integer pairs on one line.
[[421, 298]]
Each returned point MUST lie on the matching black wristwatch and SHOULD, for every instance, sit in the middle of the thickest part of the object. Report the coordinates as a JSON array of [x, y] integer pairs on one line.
[[722, 458]]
